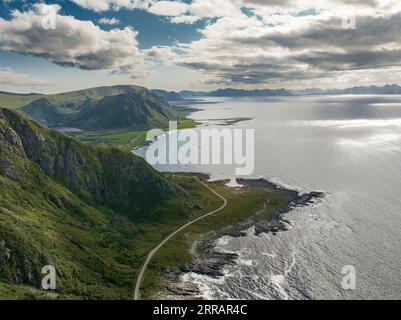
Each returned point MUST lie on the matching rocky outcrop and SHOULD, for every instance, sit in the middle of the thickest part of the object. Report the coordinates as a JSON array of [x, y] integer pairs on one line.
[[206, 260], [106, 174], [18, 266]]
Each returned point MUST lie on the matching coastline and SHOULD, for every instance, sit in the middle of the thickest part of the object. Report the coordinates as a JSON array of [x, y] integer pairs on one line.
[[207, 261], [224, 122]]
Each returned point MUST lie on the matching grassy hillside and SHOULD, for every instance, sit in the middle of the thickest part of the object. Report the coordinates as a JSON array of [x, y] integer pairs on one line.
[[89, 211], [122, 111], [103, 108], [119, 115], [13, 101]]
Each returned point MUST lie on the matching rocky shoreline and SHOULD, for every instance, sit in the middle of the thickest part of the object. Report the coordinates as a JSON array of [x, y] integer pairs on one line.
[[224, 122], [207, 261]]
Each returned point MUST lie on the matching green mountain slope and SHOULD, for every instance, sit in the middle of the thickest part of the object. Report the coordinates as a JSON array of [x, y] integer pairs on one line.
[[14, 100], [103, 108], [79, 207], [167, 95], [121, 111]]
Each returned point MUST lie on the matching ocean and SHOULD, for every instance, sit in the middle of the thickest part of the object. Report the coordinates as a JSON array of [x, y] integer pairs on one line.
[[348, 147]]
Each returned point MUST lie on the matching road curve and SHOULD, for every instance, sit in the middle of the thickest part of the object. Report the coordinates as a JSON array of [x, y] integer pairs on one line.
[[161, 244]]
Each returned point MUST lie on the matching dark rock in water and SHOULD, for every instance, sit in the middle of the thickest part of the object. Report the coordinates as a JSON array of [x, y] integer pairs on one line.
[[210, 265], [308, 198], [207, 261], [273, 226], [186, 292], [237, 234]]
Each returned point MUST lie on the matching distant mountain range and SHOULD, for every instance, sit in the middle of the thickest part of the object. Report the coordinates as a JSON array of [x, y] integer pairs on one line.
[[249, 93], [187, 94], [167, 95], [387, 89], [229, 92]]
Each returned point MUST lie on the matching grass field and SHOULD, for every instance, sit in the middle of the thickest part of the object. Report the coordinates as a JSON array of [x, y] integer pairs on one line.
[[126, 138]]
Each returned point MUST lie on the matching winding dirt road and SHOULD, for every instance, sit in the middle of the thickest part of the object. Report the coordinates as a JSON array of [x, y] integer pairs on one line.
[[161, 244]]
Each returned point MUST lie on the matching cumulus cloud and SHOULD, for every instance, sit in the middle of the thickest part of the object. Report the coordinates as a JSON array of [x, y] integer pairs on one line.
[[104, 5], [72, 43], [169, 8], [251, 42], [178, 11], [296, 43], [161, 53], [14, 81]]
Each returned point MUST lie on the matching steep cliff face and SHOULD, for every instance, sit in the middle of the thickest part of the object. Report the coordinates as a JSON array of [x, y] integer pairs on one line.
[[76, 206], [105, 174]]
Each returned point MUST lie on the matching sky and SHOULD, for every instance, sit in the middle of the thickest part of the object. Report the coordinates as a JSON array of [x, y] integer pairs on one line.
[[56, 46]]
